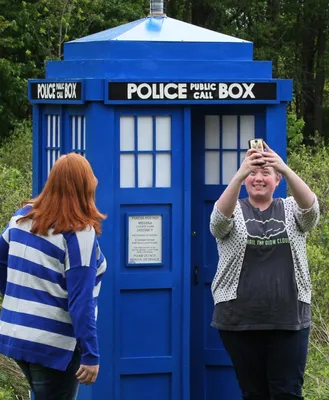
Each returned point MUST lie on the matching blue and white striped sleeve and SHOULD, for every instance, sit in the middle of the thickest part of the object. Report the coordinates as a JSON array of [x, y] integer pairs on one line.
[[4, 250], [81, 271]]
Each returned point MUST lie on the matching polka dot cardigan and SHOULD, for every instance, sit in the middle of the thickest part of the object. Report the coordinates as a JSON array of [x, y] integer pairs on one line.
[[231, 238]]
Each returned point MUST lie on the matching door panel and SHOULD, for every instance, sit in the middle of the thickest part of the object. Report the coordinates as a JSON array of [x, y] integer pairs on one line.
[[218, 142]]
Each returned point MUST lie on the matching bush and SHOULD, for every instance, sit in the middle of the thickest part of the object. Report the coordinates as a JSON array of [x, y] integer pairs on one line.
[[311, 163], [15, 186]]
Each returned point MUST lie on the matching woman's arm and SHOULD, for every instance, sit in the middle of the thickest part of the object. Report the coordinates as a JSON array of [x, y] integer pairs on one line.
[[302, 194], [4, 250], [220, 220], [306, 208], [227, 201], [81, 270]]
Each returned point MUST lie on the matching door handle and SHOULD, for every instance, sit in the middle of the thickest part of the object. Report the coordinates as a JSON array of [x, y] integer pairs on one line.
[[196, 274]]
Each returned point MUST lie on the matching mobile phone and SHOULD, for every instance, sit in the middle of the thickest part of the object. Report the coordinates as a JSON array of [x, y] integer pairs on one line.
[[256, 144]]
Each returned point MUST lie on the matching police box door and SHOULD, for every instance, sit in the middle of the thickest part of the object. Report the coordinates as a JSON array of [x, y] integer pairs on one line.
[[219, 143]]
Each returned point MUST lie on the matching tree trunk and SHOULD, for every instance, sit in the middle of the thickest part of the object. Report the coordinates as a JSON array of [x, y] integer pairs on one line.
[[308, 65], [320, 80]]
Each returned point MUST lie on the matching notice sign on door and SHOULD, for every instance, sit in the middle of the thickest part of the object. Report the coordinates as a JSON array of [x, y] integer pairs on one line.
[[145, 239], [191, 91]]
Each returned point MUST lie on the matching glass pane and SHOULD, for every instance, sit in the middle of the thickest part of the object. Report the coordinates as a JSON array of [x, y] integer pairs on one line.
[[163, 133], [54, 133], [54, 153], [145, 133], [84, 134], [127, 170], [48, 130], [127, 133], [212, 168], [229, 166], [230, 131], [145, 170], [79, 132], [247, 130], [163, 170], [242, 156], [212, 132], [73, 132], [58, 131]]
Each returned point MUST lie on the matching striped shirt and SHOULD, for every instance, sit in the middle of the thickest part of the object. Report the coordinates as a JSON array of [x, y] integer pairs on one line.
[[50, 286]]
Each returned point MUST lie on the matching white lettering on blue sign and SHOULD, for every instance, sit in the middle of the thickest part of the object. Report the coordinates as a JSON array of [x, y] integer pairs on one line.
[[53, 91], [146, 91], [180, 91]]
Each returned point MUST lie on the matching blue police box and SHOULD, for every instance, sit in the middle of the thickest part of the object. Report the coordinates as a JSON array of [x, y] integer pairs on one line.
[[163, 110]]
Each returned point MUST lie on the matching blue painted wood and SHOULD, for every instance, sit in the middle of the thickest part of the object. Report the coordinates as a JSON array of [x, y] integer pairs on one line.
[[149, 300], [162, 69], [113, 50], [212, 375], [36, 151], [154, 334], [276, 137], [99, 120]]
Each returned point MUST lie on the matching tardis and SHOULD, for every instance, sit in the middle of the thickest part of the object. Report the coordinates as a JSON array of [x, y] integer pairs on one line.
[[163, 110]]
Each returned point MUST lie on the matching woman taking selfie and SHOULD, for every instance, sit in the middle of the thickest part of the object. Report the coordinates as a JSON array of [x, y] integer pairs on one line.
[[50, 274], [262, 288]]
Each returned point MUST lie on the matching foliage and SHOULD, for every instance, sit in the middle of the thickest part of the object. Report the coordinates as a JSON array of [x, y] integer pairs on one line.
[[32, 32], [15, 186], [317, 372], [294, 131], [312, 164], [293, 35], [15, 171]]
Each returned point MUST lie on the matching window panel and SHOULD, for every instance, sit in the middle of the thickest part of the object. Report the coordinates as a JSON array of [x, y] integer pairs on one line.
[[242, 156], [145, 133], [78, 124], [127, 134], [230, 131], [212, 170], [145, 170], [247, 130], [163, 170], [163, 133], [230, 159], [212, 128], [53, 133], [127, 171], [149, 129]]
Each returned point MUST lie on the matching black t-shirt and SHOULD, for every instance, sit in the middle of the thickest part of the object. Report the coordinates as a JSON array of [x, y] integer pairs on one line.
[[267, 291]]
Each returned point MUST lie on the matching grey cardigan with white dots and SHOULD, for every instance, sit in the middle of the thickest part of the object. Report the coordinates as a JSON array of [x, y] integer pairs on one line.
[[231, 238]]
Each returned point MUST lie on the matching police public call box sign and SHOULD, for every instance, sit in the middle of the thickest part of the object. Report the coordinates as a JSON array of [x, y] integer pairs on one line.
[[56, 92], [118, 91]]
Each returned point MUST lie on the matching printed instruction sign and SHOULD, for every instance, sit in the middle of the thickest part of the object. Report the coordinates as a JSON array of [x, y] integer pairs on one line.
[[145, 239]]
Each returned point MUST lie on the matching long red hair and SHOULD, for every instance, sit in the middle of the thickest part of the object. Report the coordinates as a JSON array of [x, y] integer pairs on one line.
[[67, 202]]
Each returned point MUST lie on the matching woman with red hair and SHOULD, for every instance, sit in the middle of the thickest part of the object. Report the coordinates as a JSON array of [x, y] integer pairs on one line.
[[51, 268]]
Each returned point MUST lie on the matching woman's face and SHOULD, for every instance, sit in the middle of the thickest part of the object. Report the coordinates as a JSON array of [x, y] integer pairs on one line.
[[261, 183]]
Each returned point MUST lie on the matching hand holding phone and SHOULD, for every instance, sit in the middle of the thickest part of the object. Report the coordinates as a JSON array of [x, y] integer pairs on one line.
[[256, 144]]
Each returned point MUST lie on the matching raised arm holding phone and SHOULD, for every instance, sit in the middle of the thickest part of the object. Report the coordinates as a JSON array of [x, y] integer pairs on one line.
[[262, 288]]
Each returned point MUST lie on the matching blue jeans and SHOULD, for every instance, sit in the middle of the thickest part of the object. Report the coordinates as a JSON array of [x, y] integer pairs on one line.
[[268, 364], [52, 384]]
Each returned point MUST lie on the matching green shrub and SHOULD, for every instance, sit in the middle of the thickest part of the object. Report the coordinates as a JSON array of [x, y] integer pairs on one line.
[[311, 163], [15, 186]]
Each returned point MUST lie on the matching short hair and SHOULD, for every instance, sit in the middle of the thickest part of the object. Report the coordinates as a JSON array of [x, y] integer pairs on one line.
[[67, 201]]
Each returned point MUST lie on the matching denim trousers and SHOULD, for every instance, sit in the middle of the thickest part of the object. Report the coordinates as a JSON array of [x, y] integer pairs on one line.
[[269, 365], [51, 384]]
